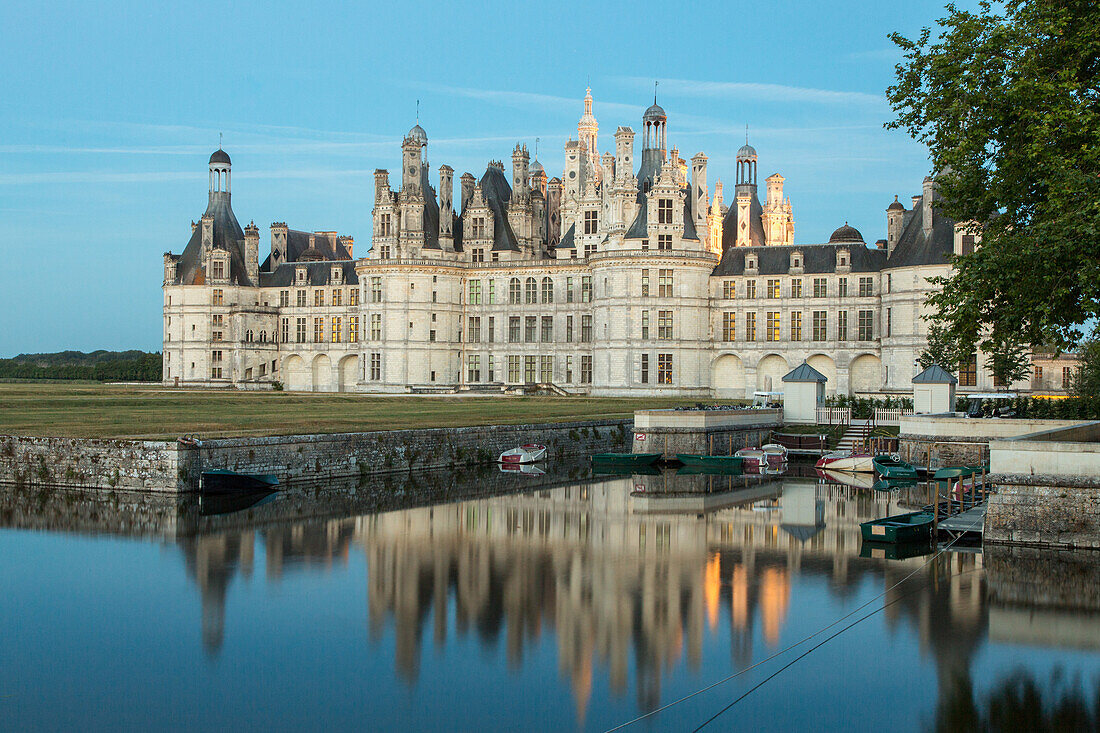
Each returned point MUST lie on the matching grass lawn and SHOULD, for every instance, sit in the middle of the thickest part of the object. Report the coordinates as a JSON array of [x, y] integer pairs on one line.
[[88, 410]]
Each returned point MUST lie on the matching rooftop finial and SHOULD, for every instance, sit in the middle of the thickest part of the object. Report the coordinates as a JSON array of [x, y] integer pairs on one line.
[[536, 148], [418, 111], [219, 141], [746, 133], [655, 83]]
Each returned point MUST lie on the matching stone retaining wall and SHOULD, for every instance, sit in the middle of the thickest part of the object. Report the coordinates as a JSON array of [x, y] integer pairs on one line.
[[165, 466], [1038, 514]]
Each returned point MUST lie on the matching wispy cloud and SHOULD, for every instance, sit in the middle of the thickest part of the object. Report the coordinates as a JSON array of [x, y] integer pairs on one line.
[[521, 100], [759, 91]]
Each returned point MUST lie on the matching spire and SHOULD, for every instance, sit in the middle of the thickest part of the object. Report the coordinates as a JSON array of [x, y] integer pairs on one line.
[[655, 83]]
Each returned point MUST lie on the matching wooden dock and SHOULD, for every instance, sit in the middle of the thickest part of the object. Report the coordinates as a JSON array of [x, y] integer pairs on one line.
[[971, 522]]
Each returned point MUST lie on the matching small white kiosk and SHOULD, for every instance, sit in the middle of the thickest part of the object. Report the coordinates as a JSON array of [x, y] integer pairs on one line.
[[803, 391], [934, 391]]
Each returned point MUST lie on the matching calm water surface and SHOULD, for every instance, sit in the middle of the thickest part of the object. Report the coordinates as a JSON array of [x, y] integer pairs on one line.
[[575, 605]]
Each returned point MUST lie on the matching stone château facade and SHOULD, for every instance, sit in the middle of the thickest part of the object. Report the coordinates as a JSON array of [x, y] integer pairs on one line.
[[620, 277]]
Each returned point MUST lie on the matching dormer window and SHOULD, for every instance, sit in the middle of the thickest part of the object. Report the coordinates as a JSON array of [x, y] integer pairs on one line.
[[336, 275], [300, 275], [664, 211], [796, 260], [750, 262], [591, 222], [477, 227], [843, 258]]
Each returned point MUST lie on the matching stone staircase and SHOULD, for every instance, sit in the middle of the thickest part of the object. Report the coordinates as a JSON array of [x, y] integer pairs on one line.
[[856, 436]]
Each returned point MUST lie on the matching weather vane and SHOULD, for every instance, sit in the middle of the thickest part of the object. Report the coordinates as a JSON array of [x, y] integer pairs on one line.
[[655, 91], [418, 111]]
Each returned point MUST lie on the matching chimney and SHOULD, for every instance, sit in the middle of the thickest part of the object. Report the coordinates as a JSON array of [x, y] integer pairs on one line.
[[252, 253], [467, 189], [926, 211], [381, 184]]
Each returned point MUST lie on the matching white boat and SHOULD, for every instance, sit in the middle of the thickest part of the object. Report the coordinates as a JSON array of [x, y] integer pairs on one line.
[[527, 469], [844, 460], [530, 453], [752, 456], [848, 478], [776, 453]]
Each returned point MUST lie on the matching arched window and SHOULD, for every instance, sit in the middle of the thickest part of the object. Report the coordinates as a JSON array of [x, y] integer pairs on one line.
[[263, 337], [531, 290], [513, 291], [547, 290], [248, 335]]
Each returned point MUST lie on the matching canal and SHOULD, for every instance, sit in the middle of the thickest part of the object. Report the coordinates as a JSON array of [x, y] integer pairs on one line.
[[564, 601]]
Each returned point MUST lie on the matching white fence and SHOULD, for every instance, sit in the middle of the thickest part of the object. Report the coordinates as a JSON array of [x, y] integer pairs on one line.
[[891, 416], [834, 415]]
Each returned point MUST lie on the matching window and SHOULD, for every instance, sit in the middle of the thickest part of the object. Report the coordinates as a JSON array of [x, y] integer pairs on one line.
[[586, 370], [477, 254], [531, 290], [490, 332], [473, 372], [645, 325], [1067, 377], [586, 329], [337, 297], [1038, 378], [513, 368], [750, 288], [773, 289], [376, 366], [546, 333], [889, 281], [569, 329], [385, 225], [477, 227], [967, 244], [513, 329], [589, 249], [568, 290], [217, 297], [645, 368], [729, 289], [664, 211], [376, 327], [729, 326], [530, 326], [318, 330], [591, 222], [546, 369], [337, 329], [284, 298], [664, 368], [772, 333], [318, 297], [796, 326], [645, 245], [529, 369], [586, 289], [821, 289], [968, 372], [820, 325], [866, 319], [301, 299], [353, 328], [514, 295], [842, 287], [474, 332], [842, 326], [889, 318], [645, 283], [353, 296], [568, 369], [491, 375], [664, 241], [215, 356], [384, 252], [285, 330], [475, 292], [300, 331], [376, 289], [547, 290], [750, 326], [664, 283], [218, 270], [664, 325], [866, 287]]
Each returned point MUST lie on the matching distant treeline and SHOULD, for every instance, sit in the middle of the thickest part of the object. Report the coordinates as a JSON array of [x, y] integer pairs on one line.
[[98, 366]]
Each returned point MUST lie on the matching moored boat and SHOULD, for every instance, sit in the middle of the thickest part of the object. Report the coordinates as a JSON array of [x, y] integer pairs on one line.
[[690, 459], [528, 469], [631, 459], [752, 456], [529, 453], [848, 478], [899, 528], [774, 452], [891, 466], [221, 481], [846, 461]]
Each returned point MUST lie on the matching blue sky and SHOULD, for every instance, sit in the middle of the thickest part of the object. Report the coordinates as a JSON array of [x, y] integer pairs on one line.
[[108, 113]]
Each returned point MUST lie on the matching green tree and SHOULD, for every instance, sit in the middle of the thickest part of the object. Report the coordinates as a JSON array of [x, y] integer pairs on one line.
[[1009, 361], [1085, 382], [941, 349], [1007, 99]]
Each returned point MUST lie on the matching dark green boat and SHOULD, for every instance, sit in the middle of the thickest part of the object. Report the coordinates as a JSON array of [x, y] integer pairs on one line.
[[894, 551], [912, 527], [627, 459], [603, 468], [693, 460], [889, 484], [892, 467], [708, 470]]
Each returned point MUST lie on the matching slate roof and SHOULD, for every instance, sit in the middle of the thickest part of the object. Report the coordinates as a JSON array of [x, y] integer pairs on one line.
[[318, 273], [228, 235], [297, 244], [568, 241], [816, 259], [756, 226], [804, 373], [915, 248], [220, 156], [497, 193], [935, 374]]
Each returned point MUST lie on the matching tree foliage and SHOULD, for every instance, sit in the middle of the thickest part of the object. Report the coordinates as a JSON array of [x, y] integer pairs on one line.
[[1007, 99], [941, 349], [99, 366]]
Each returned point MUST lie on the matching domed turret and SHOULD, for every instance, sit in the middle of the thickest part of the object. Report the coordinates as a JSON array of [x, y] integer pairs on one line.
[[846, 235], [655, 113], [417, 134], [747, 151], [220, 156], [896, 206]]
